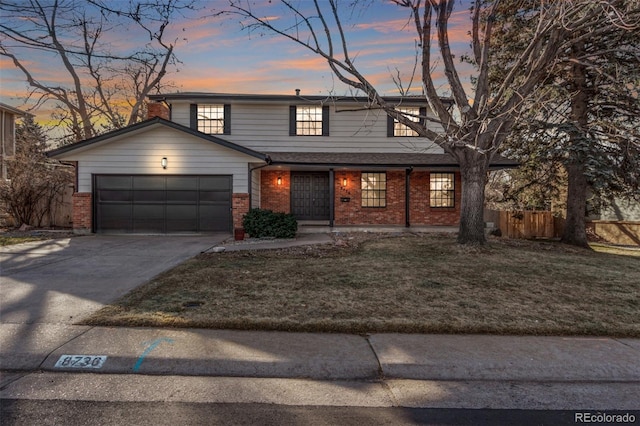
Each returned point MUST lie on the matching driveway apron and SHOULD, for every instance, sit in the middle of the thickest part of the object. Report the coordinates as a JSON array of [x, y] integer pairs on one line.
[[62, 281]]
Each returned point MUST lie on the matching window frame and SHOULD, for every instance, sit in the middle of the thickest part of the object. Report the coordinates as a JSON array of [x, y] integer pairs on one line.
[[226, 118], [393, 124], [379, 194], [293, 120], [440, 195]]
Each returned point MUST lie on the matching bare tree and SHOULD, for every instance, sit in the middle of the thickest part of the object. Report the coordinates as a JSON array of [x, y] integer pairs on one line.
[[108, 86], [475, 129], [36, 183]]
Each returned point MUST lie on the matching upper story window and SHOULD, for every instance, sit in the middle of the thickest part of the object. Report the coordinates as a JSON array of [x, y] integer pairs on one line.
[[442, 190], [395, 128], [374, 189], [308, 120], [212, 119]]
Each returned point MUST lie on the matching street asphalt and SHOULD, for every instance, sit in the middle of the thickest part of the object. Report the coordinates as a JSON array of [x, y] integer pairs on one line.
[[48, 286]]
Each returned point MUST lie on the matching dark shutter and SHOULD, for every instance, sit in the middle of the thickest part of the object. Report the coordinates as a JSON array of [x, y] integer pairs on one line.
[[193, 116], [325, 120], [390, 126], [423, 115], [227, 119], [292, 120]]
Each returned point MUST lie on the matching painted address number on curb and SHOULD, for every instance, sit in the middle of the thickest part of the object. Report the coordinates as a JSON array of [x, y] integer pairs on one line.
[[81, 361]]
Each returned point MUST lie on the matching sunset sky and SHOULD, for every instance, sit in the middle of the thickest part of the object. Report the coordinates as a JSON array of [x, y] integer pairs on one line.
[[218, 55]]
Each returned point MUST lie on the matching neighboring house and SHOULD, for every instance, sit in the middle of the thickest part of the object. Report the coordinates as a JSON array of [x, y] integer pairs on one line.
[[8, 116], [202, 160]]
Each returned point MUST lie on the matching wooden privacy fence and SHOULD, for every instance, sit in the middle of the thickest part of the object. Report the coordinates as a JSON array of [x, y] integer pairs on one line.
[[529, 224]]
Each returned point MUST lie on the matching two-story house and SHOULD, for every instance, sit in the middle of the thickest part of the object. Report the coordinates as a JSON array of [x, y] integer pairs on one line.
[[202, 160]]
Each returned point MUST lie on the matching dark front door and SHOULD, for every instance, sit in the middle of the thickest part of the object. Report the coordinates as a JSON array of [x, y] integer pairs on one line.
[[310, 196]]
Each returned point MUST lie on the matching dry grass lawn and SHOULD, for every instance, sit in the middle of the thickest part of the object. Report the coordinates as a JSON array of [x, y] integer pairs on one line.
[[413, 283]]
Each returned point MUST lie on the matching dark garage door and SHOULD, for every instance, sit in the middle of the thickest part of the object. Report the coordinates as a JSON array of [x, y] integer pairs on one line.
[[162, 204]]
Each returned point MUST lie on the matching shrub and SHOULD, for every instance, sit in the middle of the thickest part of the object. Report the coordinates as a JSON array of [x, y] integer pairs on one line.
[[259, 223]]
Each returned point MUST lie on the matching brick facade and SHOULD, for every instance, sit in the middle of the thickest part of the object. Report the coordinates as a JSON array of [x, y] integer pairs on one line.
[[273, 196], [278, 198], [422, 213], [82, 212], [352, 212], [240, 208]]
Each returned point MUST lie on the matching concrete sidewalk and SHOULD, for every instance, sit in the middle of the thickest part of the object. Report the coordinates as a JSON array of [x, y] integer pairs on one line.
[[197, 352], [385, 370]]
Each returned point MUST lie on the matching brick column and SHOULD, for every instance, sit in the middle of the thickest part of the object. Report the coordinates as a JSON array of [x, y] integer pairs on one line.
[[240, 208], [82, 212]]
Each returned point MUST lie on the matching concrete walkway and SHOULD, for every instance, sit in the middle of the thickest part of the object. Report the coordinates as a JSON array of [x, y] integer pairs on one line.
[[46, 360]]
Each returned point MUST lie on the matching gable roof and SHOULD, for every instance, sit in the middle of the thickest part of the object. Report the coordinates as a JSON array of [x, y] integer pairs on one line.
[[148, 124]]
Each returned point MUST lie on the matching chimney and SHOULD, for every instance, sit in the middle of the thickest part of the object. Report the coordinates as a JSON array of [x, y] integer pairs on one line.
[[157, 109], [297, 92]]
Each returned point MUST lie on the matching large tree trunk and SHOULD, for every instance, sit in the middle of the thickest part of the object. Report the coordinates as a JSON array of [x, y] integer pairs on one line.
[[575, 227], [473, 170]]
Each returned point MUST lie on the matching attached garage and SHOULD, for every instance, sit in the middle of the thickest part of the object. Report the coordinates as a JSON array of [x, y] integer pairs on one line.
[[162, 204], [159, 177]]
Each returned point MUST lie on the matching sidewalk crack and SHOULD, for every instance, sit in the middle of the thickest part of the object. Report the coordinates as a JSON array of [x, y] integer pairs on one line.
[[62, 344], [380, 371]]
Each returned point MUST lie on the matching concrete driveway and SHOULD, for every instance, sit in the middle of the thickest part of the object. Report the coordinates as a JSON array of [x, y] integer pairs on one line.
[[62, 281]]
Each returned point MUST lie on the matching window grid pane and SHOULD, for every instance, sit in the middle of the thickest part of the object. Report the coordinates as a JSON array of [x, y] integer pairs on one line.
[[374, 189], [442, 189], [400, 129], [211, 119], [309, 121]]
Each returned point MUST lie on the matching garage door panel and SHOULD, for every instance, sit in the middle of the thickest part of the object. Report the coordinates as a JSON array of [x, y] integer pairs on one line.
[[182, 196], [215, 183], [149, 182], [182, 218], [214, 217], [114, 182], [182, 183], [163, 204], [214, 196], [118, 195], [116, 217], [147, 196]]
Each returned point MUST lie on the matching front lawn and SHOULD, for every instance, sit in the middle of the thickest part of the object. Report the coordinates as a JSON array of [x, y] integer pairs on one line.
[[413, 283]]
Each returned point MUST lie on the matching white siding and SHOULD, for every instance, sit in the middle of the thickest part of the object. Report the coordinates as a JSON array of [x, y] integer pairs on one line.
[[141, 154], [265, 128], [256, 179]]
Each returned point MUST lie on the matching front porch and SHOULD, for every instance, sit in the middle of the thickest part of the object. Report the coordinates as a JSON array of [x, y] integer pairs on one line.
[[391, 198]]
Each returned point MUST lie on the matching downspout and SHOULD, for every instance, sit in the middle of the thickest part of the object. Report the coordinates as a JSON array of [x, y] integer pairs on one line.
[[407, 197], [250, 180], [332, 203]]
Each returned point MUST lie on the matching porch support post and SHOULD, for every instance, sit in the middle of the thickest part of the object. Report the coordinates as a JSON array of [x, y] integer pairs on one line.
[[407, 197], [332, 200]]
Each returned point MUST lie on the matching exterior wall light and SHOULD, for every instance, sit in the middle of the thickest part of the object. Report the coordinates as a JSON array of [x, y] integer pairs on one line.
[[279, 181], [344, 182], [164, 162]]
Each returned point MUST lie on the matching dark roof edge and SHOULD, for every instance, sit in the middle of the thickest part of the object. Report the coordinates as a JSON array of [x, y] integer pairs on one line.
[[150, 122], [289, 98], [387, 165]]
